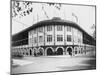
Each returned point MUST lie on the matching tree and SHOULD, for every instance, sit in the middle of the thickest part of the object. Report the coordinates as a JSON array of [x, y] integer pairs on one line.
[[24, 8], [21, 8]]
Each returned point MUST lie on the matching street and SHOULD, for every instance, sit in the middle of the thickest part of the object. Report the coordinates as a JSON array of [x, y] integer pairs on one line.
[[53, 63]]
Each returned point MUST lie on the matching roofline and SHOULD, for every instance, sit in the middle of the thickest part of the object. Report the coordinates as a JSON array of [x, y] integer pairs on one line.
[[44, 22]]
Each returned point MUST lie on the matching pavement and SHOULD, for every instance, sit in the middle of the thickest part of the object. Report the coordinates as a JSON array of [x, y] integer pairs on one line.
[[53, 63], [21, 62]]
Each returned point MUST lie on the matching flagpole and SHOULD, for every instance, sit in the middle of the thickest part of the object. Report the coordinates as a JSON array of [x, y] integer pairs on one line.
[[75, 17]]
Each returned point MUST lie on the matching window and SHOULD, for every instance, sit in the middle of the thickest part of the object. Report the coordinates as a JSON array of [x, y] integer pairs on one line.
[[35, 39], [40, 39], [49, 38], [59, 28], [69, 38], [41, 29], [69, 28], [59, 37], [49, 28]]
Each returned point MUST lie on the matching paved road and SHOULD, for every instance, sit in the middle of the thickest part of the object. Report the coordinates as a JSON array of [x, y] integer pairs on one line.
[[53, 63]]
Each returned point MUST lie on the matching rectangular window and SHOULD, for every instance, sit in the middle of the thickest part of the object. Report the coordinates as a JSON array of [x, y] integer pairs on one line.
[[59, 28], [69, 38], [49, 38], [40, 39], [49, 28], [68, 28], [59, 37]]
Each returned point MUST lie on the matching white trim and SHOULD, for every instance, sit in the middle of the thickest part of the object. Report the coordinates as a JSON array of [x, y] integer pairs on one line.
[[27, 51], [62, 49], [42, 49], [47, 49], [75, 48], [31, 51], [35, 49], [69, 47], [59, 47]]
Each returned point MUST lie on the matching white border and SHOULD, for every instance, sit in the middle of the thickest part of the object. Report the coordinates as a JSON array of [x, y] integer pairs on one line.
[[5, 37]]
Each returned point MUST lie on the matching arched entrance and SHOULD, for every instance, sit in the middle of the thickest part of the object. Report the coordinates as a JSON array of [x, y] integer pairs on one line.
[[49, 51], [59, 51], [35, 51], [30, 52], [75, 50], [41, 51], [23, 51], [81, 50], [27, 52], [69, 50]]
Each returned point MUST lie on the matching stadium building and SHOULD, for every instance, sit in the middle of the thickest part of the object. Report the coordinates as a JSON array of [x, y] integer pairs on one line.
[[52, 37]]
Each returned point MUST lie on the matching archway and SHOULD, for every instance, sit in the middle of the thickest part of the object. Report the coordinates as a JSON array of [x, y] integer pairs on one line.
[[23, 51], [30, 52], [27, 52], [75, 50], [49, 51], [41, 51], [59, 51], [81, 50], [69, 50], [35, 51]]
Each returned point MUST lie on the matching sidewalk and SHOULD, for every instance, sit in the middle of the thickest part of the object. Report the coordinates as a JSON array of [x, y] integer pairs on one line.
[[21, 62], [51, 63]]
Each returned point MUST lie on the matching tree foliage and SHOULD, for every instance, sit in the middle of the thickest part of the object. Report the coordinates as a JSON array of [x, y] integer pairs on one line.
[[21, 8], [24, 8]]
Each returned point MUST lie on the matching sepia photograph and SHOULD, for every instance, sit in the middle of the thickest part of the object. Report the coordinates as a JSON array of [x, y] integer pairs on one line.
[[52, 37]]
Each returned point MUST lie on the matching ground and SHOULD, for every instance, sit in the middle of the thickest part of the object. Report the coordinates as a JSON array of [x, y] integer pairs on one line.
[[53, 63]]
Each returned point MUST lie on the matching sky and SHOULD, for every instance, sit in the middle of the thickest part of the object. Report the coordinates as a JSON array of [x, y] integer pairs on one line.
[[85, 15]]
